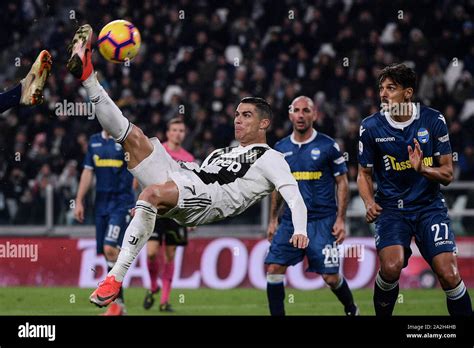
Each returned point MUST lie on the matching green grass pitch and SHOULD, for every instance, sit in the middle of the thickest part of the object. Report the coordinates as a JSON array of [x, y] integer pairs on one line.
[[74, 301]]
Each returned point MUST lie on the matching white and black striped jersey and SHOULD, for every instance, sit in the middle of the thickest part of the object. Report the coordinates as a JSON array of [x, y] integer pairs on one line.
[[233, 179]]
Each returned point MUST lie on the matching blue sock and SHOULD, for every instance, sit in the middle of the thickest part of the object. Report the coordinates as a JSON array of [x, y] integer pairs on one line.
[[344, 294], [10, 98], [458, 300], [385, 296], [276, 294]]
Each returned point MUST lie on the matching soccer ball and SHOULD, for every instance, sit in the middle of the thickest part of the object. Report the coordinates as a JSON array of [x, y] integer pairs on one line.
[[119, 41]]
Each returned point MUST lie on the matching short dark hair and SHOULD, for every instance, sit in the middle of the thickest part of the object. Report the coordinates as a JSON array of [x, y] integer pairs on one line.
[[264, 109], [174, 120], [400, 74]]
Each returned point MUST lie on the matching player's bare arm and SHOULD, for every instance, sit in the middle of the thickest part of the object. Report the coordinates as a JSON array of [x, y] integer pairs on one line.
[[339, 228], [275, 207], [84, 185], [442, 174], [366, 191]]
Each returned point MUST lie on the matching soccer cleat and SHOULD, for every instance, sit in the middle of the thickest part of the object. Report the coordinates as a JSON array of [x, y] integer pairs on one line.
[[353, 312], [80, 62], [149, 299], [115, 309], [32, 85], [166, 307], [107, 291]]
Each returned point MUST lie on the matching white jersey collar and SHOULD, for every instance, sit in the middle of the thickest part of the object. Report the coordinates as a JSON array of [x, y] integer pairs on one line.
[[307, 141], [402, 125]]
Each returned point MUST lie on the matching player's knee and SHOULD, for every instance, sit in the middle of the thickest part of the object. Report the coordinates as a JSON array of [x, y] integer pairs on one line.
[[276, 269], [110, 253], [151, 194], [151, 255], [331, 279], [391, 269], [448, 276], [135, 137], [170, 253]]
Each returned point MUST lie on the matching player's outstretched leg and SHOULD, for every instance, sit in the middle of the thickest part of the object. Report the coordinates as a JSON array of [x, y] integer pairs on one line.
[[30, 90], [135, 143], [153, 199]]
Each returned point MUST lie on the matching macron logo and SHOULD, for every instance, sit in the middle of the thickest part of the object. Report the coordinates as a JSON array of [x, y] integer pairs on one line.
[[384, 140], [37, 331]]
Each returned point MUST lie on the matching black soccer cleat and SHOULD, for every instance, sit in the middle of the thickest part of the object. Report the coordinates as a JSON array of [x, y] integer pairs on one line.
[[166, 307], [149, 299], [352, 311]]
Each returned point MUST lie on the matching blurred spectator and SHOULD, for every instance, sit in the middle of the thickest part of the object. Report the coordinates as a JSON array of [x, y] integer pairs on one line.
[[199, 67]]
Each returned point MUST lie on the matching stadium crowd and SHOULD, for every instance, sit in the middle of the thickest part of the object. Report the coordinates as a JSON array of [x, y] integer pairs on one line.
[[199, 58]]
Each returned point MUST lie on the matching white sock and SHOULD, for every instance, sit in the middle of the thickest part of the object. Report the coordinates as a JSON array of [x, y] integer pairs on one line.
[[109, 115], [137, 233], [275, 278]]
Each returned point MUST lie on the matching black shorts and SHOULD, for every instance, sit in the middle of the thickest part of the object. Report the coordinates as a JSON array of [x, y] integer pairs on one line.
[[170, 232]]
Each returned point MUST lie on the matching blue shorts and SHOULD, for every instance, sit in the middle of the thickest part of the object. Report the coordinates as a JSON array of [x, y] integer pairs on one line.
[[430, 226], [322, 252], [110, 229]]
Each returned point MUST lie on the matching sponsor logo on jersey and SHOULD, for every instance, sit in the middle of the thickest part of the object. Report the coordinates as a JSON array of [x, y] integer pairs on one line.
[[230, 165], [362, 130], [307, 175], [423, 135], [444, 138], [118, 147], [315, 153], [361, 148], [289, 153], [227, 165], [384, 140], [107, 162], [391, 163], [96, 144]]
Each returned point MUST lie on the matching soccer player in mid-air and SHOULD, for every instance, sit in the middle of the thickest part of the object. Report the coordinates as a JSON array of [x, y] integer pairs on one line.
[[114, 198], [406, 147], [30, 90], [318, 166], [167, 232], [228, 182]]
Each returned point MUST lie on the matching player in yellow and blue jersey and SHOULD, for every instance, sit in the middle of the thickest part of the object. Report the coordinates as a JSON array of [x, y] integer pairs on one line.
[[114, 198], [406, 148], [318, 166]]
